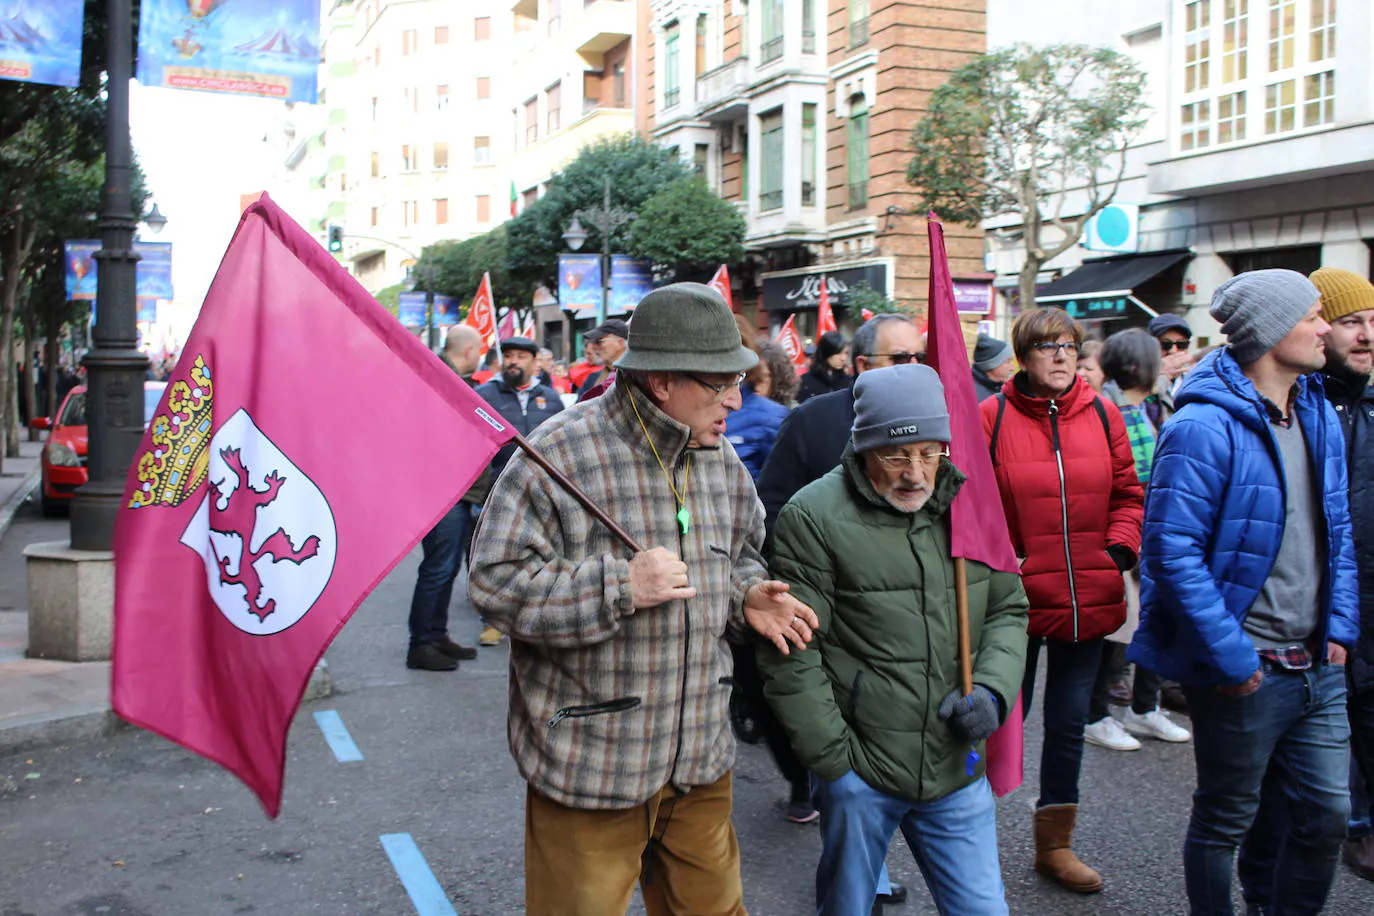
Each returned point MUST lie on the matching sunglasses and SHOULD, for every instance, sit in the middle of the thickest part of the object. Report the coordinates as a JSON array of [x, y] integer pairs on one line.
[[898, 359], [1166, 345]]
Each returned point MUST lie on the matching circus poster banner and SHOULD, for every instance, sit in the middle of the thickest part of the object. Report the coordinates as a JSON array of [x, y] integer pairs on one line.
[[579, 281], [154, 271], [264, 48], [40, 41]]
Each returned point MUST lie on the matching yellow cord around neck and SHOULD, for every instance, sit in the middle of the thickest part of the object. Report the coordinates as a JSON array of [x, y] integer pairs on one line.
[[687, 474]]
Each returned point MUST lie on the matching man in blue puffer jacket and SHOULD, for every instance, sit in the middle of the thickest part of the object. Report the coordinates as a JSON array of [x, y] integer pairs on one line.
[[1249, 595]]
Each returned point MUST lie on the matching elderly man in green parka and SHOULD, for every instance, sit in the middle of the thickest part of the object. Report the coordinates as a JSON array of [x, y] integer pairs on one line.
[[873, 706]]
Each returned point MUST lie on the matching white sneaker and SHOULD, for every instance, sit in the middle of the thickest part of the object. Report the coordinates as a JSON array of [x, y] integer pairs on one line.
[[1154, 724], [1108, 733]]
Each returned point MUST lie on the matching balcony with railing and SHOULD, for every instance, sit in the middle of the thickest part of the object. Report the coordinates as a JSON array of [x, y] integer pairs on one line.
[[721, 91], [602, 25]]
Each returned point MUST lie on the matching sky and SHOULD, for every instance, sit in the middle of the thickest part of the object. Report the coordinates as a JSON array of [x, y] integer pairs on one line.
[[200, 151]]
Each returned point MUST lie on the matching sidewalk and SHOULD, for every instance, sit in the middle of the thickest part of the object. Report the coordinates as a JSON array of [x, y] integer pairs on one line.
[[19, 478]]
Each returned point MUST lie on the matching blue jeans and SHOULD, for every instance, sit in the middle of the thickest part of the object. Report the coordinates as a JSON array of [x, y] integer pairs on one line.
[[444, 548], [1288, 742], [1070, 671], [954, 841]]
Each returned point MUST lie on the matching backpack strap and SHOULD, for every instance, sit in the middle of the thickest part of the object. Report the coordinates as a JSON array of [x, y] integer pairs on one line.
[[1102, 415], [997, 427]]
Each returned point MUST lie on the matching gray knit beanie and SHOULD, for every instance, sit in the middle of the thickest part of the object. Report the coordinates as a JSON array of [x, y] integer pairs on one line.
[[897, 405], [1258, 308], [989, 353]]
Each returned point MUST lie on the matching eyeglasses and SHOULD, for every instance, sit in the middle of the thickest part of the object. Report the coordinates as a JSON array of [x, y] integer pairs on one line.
[[898, 359], [902, 462], [1053, 348], [1166, 345], [720, 390]]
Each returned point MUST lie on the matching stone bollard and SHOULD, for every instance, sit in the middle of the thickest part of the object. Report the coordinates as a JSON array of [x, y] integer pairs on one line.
[[71, 602]]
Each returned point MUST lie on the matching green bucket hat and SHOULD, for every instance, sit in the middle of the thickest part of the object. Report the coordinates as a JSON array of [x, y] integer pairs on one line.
[[685, 327]]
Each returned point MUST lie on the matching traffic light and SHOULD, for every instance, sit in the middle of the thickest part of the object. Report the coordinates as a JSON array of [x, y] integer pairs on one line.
[[336, 238]]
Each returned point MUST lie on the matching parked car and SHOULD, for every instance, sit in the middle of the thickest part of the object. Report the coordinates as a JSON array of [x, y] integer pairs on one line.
[[64, 455]]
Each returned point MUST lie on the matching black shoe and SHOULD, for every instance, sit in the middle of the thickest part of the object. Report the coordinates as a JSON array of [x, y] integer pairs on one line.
[[1171, 698], [895, 897], [429, 657], [453, 650]]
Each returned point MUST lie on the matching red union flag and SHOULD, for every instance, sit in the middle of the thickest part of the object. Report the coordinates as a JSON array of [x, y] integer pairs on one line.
[[721, 284], [482, 312], [791, 341], [274, 488], [977, 524], [825, 315]]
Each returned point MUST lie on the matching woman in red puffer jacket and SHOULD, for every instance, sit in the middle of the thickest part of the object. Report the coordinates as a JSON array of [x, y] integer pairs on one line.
[[1074, 508]]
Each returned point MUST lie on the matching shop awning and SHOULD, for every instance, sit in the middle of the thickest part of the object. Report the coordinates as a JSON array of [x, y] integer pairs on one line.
[[1104, 288]]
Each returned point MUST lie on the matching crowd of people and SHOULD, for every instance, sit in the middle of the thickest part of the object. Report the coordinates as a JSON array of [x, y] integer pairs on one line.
[[1191, 531]]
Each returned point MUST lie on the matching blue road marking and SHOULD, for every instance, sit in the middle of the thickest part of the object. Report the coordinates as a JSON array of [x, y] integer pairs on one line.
[[338, 738], [424, 889]]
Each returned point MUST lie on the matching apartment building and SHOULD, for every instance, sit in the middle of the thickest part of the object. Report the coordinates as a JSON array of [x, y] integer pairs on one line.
[[1259, 152], [800, 112]]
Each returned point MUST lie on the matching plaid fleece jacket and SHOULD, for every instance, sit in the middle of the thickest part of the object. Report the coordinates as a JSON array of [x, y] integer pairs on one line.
[[607, 703]]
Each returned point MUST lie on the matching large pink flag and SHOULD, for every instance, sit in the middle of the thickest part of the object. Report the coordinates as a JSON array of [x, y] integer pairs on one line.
[[276, 486], [977, 524], [507, 326]]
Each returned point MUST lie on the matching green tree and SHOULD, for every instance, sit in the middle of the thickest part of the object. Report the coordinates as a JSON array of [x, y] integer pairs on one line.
[[458, 267], [638, 169], [687, 228], [863, 297], [1014, 130]]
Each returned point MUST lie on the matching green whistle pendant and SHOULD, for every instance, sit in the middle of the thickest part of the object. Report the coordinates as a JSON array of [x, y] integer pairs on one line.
[[684, 519]]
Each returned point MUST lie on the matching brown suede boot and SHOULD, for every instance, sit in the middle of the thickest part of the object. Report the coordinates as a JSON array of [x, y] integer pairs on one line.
[[1054, 856]]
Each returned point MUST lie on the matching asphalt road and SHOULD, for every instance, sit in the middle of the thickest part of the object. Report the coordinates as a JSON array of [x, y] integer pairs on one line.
[[134, 826]]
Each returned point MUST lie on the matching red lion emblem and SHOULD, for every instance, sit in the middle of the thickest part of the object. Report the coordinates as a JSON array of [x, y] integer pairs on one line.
[[240, 517]]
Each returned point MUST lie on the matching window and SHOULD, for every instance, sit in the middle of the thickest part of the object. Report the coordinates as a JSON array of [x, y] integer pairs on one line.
[[376, 165], [1235, 40], [484, 87], [618, 84], [410, 41], [672, 90], [481, 28], [555, 19], [770, 179], [591, 90], [377, 56], [1231, 118], [441, 34], [701, 155], [1323, 30], [441, 156], [374, 109], [1280, 107], [1196, 126], [408, 162], [772, 46], [376, 215], [441, 211], [410, 212], [858, 22], [483, 208], [808, 26], [531, 120], [1319, 99], [1283, 15], [858, 152], [441, 97], [552, 101], [481, 150], [412, 95], [808, 153], [701, 45], [1197, 45], [529, 196]]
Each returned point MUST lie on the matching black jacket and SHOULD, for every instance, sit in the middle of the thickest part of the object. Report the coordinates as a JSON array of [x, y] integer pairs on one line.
[[984, 387], [809, 444], [817, 382], [543, 403], [1353, 399]]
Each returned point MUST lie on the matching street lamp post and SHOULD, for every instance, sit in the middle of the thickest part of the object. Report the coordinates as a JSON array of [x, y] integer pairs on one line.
[[604, 219], [115, 368]]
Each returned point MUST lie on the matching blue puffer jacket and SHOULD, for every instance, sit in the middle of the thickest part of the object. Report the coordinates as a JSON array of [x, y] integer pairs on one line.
[[753, 429], [1214, 518]]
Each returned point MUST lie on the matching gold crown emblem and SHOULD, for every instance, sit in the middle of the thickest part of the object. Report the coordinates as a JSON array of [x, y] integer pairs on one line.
[[174, 465]]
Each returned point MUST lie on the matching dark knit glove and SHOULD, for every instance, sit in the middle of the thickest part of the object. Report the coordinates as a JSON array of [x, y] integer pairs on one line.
[[975, 716], [1123, 556]]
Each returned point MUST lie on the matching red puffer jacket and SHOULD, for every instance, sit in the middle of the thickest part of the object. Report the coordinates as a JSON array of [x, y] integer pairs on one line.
[[1068, 495]]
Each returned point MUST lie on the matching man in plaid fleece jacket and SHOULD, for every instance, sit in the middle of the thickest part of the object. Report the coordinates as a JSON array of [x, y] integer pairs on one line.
[[620, 669]]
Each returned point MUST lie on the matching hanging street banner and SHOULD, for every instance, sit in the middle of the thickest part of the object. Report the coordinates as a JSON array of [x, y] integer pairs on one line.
[[154, 270], [579, 281], [631, 280], [40, 41], [412, 310], [265, 48]]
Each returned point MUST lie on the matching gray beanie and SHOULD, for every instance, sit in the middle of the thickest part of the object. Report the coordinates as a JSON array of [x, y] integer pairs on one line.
[[897, 405], [989, 353], [1258, 308]]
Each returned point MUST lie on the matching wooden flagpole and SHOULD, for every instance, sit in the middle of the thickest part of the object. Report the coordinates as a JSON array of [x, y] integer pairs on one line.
[[961, 606], [598, 513]]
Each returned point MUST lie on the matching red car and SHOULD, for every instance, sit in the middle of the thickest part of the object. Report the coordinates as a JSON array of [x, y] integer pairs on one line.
[[64, 455]]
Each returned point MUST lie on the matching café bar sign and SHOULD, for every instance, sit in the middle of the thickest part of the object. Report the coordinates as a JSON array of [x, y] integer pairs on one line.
[[803, 290], [1098, 308]]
